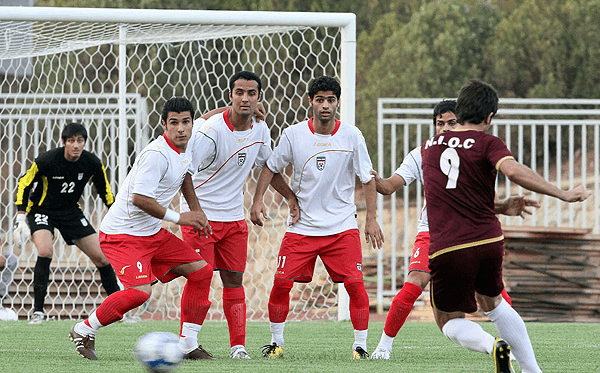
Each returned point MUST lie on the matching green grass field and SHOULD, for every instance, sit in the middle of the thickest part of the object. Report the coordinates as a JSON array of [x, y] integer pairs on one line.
[[310, 347]]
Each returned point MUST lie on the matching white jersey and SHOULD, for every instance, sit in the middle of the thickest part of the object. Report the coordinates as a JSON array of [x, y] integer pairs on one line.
[[223, 159], [324, 175], [158, 173], [410, 170]]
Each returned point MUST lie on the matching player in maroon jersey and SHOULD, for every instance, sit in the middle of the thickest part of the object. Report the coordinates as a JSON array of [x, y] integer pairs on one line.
[[466, 247]]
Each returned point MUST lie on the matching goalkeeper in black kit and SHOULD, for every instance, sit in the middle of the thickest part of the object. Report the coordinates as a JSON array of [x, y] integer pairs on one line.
[[48, 198]]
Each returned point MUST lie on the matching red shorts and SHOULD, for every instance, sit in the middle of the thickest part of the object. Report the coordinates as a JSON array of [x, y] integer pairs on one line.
[[341, 254], [419, 260], [139, 260], [457, 275], [226, 249]]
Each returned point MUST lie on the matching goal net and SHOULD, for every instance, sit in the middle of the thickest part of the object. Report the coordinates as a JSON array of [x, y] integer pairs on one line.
[[111, 70]]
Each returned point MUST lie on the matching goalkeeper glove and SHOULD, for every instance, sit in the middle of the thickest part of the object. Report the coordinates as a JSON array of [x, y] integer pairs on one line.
[[21, 232]]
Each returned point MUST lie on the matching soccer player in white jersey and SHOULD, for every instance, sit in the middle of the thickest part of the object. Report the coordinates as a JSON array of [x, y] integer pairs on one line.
[[141, 250], [326, 155], [225, 148], [444, 120]]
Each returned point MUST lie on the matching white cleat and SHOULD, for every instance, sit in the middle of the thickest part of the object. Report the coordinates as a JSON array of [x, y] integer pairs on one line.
[[36, 318], [239, 352], [381, 354]]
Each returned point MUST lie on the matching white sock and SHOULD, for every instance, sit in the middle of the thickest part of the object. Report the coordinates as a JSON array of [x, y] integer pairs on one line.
[[512, 329], [386, 342], [188, 340], [360, 339], [277, 332], [82, 329], [469, 335], [94, 323]]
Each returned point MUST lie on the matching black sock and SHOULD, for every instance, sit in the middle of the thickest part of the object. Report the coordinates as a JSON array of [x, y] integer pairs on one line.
[[109, 279], [41, 273]]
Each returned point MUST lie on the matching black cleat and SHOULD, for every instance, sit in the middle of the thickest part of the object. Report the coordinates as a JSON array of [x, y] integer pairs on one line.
[[501, 355]]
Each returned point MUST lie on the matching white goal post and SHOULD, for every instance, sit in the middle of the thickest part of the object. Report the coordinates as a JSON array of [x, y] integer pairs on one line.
[[111, 69]]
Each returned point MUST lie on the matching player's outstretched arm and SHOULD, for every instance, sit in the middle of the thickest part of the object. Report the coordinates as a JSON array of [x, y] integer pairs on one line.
[[258, 211], [516, 206], [279, 184], [389, 185], [529, 179], [373, 233]]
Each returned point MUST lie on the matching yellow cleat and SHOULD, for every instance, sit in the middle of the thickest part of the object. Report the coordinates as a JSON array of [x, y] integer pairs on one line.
[[359, 354], [272, 351]]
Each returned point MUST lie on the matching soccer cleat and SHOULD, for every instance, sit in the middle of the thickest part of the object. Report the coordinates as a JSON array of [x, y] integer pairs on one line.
[[272, 350], [381, 353], [359, 353], [36, 318], [85, 345], [501, 356], [239, 352], [198, 353]]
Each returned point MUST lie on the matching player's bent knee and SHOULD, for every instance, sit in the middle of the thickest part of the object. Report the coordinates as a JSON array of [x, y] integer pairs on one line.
[[419, 278]]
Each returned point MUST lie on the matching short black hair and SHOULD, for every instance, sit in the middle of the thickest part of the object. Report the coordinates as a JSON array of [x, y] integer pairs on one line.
[[442, 107], [324, 83], [177, 105], [74, 129], [476, 100], [246, 75]]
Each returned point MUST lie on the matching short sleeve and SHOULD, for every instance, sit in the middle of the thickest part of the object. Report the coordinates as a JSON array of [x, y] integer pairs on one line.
[[362, 161], [282, 155], [151, 168]]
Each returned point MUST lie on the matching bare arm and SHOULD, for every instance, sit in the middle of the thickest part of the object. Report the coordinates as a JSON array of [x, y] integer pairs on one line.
[[258, 207], [389, 185], [529, 179], [279, 184], [187, 189], [373, 233], [196, 219]]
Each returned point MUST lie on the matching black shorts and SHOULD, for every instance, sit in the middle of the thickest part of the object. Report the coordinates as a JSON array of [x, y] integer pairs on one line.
[[71, 224], [457, 275]]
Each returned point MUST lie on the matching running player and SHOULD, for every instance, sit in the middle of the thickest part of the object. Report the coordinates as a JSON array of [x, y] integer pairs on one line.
[[326, 155], [61, 175], [466, 241], [132, 237], [444, 120], [225, 148]]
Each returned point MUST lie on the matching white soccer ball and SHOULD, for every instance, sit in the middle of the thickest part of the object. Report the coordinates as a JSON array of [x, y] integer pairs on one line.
[[158, 351], [6, 314]]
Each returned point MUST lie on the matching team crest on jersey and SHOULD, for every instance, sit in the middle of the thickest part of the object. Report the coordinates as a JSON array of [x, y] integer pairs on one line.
[[320, 163], [80, 176], [359, 266], [241, 159]]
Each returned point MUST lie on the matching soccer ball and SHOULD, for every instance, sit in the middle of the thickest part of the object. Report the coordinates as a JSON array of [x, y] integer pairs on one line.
[[158, 352], [6, 314]]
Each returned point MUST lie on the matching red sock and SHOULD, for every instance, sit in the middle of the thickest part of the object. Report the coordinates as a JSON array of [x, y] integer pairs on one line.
[[279, 300], [401, 306], [234, 306], [194, 300], [506, 297], [118, 303], [359, 304]]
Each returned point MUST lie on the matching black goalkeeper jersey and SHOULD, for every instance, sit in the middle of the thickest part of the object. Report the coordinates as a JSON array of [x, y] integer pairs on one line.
[[60, 183]]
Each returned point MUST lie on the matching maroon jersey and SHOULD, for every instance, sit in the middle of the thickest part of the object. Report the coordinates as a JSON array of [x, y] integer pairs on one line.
[[459, 170]]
